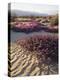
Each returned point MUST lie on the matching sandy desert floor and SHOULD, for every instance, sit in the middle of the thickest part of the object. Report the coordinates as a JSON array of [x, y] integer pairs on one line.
[[22, 62]]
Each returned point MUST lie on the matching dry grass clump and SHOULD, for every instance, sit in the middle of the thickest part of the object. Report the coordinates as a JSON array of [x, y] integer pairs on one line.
[[43, 45]]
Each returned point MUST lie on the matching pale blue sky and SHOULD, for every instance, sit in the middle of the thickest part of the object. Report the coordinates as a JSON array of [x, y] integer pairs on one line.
[[46, 9]]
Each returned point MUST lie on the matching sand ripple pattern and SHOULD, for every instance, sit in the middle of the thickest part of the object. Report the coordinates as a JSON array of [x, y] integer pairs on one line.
[[25, 63]]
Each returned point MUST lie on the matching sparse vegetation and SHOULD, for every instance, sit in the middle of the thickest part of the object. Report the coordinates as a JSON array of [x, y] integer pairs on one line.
[[47, 45], [54, 21]]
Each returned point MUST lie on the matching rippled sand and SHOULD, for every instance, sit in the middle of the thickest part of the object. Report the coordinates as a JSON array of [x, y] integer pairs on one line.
[[25, 63]]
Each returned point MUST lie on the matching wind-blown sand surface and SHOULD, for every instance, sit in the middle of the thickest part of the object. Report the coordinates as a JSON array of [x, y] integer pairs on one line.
[[23, 62]]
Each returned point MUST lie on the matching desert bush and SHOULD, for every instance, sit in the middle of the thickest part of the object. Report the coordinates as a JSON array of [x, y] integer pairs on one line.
[[54, 21], [43, 45]]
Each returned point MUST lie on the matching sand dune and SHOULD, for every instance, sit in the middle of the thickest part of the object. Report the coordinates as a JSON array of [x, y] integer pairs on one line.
[[26, 63]]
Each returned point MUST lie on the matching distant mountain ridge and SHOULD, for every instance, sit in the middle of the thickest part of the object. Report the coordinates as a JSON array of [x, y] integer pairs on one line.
[[26, 13]]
